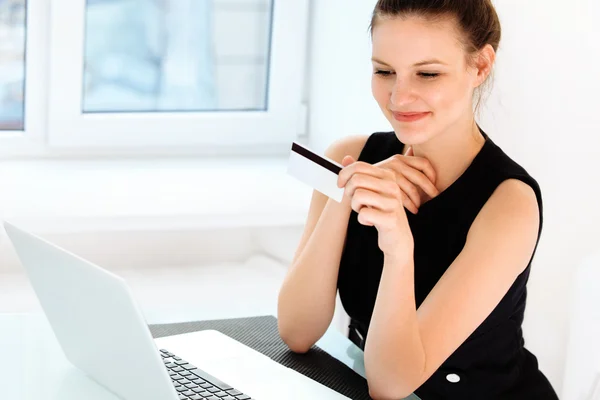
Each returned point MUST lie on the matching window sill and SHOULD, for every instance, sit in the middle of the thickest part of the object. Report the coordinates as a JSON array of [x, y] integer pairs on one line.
[[57, 196]]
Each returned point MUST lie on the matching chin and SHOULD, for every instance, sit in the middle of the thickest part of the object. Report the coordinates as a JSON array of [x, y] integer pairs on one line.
[[412, 137]]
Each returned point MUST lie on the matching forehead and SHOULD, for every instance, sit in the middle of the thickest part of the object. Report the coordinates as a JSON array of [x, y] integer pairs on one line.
[[413, 39]]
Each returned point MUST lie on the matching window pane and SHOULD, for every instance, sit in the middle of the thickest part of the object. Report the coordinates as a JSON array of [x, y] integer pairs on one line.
[[176, 55], [12, 64]]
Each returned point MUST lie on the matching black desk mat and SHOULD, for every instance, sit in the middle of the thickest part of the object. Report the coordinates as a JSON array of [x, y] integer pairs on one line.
[[260, 334]]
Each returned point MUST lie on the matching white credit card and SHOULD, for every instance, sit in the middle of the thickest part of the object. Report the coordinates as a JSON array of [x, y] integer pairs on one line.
[[318, 172]]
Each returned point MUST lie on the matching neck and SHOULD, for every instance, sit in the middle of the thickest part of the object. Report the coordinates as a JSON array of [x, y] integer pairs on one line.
[[451, 152]]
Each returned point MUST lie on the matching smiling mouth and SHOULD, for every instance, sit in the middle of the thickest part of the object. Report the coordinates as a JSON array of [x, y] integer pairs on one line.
[[410, 117]]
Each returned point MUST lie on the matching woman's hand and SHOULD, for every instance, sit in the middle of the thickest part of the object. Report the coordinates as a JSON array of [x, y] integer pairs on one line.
[[375, 195], [415, 176]]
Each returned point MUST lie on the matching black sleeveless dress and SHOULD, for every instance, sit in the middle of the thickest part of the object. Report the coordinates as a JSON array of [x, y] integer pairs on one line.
[[492, 363]]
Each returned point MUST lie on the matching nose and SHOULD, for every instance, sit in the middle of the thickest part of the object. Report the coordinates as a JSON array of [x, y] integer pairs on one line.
[[402, 94]]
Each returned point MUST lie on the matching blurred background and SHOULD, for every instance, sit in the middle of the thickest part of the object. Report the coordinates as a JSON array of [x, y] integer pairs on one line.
[[151, 137]]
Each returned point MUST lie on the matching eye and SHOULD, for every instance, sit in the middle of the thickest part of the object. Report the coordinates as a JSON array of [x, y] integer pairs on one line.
[[428, 75], [382, 72]]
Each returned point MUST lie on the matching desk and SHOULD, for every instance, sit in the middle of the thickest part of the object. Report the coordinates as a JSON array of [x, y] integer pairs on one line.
[[34, 366]]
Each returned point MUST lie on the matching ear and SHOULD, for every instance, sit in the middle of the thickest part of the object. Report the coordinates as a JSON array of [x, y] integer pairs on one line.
[[484, 63]]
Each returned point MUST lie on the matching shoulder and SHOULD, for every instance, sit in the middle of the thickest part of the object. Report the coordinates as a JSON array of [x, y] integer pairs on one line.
[[347, 146], [511, 216], [515, 196], [510, 205], [503, 167], [503, 178]]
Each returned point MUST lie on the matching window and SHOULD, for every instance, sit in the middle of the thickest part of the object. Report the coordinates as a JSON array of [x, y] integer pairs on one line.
[[23, 53], [133, 75], [175, 55], [12, 65], [171, 73]]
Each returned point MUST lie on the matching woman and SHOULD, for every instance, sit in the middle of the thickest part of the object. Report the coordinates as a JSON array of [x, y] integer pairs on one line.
[[432, 244]]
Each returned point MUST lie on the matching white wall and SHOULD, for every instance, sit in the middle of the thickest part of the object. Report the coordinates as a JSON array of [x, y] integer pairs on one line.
[[340, 72], [544, 112]]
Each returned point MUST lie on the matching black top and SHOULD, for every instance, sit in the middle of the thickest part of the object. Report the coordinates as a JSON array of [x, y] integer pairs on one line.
[[492, 363]]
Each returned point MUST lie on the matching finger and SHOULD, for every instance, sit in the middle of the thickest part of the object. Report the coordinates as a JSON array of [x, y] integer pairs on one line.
[[421, 164], [409, 190], [374, 217], [410, 195], [348, 160], [410, 152], [386, 187], [367, 198], [408, 204], [419, 179], [358, 167], [368, 216]]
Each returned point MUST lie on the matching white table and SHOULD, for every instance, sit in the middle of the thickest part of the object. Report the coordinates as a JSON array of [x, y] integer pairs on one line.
[[34, 366]]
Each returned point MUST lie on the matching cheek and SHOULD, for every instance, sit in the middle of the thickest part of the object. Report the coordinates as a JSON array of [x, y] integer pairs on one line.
[[380, 92], [446, 97]]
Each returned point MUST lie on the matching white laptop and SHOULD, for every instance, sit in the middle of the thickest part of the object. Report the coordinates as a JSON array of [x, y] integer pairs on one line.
[[103, 332]]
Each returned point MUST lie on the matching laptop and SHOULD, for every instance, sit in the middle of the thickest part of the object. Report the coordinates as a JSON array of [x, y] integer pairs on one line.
[[103, 332]]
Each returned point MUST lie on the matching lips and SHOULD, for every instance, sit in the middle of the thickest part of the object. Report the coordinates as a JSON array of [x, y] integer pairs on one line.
[[410, 114], [410, 117]]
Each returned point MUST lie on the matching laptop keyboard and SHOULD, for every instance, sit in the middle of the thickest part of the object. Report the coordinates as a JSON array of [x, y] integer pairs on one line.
[[192, 383]]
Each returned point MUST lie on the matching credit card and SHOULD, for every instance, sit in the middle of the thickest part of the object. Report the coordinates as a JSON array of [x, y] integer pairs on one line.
[[316, 171]]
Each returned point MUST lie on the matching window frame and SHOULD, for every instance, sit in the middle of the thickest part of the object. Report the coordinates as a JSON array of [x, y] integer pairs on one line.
[[31, 139], [69, 127], [55, 124]]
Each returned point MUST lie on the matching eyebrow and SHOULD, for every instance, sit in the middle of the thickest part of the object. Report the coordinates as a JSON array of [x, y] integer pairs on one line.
[[419, 64]]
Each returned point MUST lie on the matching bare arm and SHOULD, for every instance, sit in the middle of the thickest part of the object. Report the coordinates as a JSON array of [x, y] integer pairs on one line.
[[307, 297], [406, 346]]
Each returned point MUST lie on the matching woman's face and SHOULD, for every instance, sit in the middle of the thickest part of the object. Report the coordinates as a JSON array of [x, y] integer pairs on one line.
[[420, 67]]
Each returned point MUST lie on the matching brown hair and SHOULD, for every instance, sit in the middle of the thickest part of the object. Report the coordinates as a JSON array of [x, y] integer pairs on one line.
[[477, 20]]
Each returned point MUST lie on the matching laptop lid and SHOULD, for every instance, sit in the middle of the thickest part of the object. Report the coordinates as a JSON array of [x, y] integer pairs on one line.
[[95, 319]]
